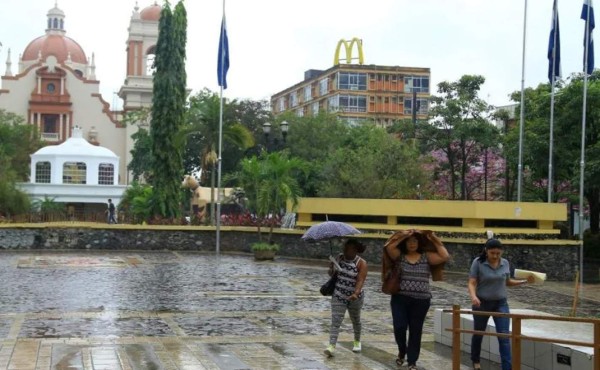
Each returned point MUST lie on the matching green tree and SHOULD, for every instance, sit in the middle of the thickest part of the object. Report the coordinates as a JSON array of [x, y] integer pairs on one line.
[[168, 111], [200, 134], [567, 133], [314, 139], [270, 181], [372, 164], [141, 156], [460, 128], [18, 141]]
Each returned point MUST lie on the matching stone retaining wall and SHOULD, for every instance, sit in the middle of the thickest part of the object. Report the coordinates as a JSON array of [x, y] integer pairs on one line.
[[558, 261]]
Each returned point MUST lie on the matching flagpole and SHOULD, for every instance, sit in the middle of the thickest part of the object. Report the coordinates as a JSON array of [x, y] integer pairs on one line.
[[583, 119], [219, 160], [551, 150], [521, 123]]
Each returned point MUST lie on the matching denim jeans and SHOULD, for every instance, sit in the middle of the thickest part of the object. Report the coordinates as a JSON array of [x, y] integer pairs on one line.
[[409, 313], [502, 326]]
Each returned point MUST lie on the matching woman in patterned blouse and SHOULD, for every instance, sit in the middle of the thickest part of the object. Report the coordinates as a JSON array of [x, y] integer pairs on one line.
[[348, 294], [410, 305]]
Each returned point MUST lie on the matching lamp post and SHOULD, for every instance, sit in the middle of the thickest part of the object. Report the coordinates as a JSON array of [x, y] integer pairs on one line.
[[284, 127]]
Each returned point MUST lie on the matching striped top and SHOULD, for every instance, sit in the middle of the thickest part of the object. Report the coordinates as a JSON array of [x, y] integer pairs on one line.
[[347, 277], [414, 278]]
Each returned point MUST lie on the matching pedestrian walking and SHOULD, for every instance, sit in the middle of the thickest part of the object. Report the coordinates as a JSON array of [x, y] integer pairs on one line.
[[409, 304], [111, 212], [348, 294], [488, 278]]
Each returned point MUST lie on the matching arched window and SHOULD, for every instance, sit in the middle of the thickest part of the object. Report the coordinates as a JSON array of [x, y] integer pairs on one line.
[[55, 23], [150, 57], [74, 173], [62, 24], [49, 23], [106, 174], [42, 172]]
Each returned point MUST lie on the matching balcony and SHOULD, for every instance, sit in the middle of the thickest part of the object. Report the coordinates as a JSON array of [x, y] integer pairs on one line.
[[49, 136]]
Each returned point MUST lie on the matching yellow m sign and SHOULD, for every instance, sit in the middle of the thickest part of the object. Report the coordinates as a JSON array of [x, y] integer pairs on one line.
[[349, 46]]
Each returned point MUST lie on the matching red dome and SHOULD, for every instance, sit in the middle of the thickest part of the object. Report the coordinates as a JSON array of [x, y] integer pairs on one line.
[[56, 45], [151, 13]]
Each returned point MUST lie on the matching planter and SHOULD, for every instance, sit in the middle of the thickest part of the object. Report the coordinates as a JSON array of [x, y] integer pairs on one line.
[[264, 255]]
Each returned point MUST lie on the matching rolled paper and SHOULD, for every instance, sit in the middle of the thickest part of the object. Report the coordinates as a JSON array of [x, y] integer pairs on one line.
[[539, 277]]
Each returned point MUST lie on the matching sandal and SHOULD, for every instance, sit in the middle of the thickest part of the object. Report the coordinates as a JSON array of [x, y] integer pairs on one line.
[[412, 367], [400, 359], [476, 366]]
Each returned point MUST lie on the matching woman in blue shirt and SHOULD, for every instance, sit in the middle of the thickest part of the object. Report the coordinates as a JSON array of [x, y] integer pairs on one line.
[[488, 278]]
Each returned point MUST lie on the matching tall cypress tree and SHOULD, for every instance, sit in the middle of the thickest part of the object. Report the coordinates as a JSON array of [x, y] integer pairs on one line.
[[168, 108]]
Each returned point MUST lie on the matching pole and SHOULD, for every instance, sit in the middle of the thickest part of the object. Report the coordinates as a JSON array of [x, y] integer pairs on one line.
[[582, 161], [522, 118], [551, 149], [219, 160]]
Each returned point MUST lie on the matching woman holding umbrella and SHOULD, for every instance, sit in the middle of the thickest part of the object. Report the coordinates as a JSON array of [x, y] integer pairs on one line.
[[348, 294], [417, 254]]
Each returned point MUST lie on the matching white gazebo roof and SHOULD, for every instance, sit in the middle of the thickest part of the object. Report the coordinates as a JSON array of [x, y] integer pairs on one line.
[[77, 146]]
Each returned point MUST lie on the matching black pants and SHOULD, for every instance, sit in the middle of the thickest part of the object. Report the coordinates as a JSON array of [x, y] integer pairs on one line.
[[409, 313]]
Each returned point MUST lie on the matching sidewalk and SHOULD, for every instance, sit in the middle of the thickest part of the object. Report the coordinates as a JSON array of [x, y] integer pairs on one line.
[[174, 311]]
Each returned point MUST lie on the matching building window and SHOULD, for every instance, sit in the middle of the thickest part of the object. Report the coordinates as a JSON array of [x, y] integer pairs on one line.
[[323, 90], [300, 112], [149, 60], [422, 106], [353, 103], [49, 129], [106, 174], [74, 173], [51, 88], [43, 172], [281, 104], [307, 93], [418, 83], [352, 81], [293, 99], [334, 103], [315, 109], [353, 121]]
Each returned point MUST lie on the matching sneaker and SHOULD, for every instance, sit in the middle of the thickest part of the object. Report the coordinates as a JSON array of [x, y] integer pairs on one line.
[[357, 347], [329, 350]]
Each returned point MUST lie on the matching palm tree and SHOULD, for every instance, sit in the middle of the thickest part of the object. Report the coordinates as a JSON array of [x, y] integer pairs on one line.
[[270, 181], [202, 124]]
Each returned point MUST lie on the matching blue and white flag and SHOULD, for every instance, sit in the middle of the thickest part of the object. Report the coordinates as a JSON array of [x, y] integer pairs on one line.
[[223, 62], [554, 70], [589, 27]]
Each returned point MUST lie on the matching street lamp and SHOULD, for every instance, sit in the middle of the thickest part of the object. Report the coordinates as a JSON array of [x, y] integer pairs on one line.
[[266, 127], [266, 130], [284, 129]]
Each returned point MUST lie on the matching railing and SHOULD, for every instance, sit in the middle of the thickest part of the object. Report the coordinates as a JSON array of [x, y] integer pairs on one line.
[[516, 336], [49, 136]]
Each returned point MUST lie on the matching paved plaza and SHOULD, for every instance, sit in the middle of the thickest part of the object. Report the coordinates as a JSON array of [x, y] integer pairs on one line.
[[186, 310]]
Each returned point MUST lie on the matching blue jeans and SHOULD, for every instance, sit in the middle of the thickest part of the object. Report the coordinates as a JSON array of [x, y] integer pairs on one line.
[[502, 326], [409, 313]]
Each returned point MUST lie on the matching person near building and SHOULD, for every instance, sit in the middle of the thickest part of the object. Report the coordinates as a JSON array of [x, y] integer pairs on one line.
[[111, 212], [488, 278], [348, 294]]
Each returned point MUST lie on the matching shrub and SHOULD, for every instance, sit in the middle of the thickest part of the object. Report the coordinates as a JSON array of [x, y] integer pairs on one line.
[[261, 246]]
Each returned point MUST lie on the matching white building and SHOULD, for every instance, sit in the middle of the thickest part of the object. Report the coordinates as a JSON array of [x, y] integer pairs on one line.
[[55, 88], [77, 173]]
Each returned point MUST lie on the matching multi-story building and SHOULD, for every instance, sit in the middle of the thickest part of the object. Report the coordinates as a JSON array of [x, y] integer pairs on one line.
[[358, 92]]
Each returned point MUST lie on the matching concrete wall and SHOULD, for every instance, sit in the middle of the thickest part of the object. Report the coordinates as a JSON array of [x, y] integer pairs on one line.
[[558, 260]]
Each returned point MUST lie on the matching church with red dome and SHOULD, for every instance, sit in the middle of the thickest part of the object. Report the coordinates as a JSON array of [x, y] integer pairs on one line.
[[54, 85]]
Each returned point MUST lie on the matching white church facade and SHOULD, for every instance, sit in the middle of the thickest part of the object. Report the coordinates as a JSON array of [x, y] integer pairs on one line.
[[54, 87]]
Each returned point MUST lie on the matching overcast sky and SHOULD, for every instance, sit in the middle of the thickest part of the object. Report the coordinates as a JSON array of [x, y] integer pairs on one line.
[[272, 42]]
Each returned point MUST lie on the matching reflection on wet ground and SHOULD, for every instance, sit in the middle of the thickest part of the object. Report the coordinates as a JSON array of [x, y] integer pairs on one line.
[[167, 310]]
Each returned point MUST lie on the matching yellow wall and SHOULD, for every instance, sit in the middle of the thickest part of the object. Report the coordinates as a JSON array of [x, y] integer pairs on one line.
[[472, 213]]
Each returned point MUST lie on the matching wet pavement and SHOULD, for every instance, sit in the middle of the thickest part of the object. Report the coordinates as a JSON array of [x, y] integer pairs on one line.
[[186, 310]]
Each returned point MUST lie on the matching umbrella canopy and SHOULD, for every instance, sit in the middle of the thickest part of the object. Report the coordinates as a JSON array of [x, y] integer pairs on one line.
[[329, 229]]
